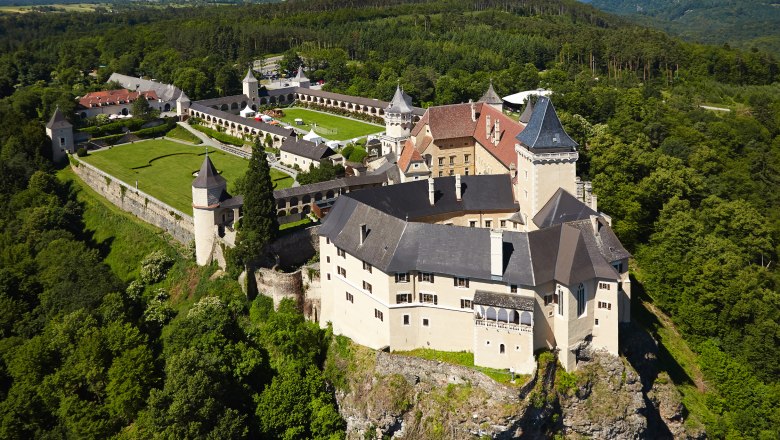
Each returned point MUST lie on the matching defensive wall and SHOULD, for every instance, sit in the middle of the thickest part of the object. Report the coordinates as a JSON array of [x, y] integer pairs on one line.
[[138, 203]]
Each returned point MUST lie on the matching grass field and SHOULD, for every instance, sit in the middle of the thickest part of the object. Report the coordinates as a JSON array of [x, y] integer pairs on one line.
[[183, 135], [164, 169], [73, 7], [344, 128]]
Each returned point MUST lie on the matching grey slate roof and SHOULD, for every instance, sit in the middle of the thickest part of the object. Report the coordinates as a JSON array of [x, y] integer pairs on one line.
[[561, 208], [567, 253], [401, 102], [490, 96], [306, 149], [300, 75], [250, 122], [250, 77], [504, 300], [208, 177], [528, 111], [479, 193], [346, 182], [544, 130], [165, 92], [183, 98], [58, 120]]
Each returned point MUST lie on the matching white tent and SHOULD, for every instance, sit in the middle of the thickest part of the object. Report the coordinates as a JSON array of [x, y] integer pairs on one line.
[[519, 98], [247, 112], [311, 136]]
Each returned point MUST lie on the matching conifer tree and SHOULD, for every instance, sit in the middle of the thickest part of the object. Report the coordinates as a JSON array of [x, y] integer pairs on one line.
[[259, 226]]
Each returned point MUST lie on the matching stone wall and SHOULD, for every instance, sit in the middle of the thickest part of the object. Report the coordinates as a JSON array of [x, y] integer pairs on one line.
[[280, 285], [138, 203], [296, 248]]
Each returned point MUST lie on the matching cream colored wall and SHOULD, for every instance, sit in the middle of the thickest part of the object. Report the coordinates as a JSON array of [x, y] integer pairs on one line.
[[447, 329], [444, 148], [291, 159], [486, 163], [461, 219], [540, 176], [605, 335], [544, 318], [518, 346]]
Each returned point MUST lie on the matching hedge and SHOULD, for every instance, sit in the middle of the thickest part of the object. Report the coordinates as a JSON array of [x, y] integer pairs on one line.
[[222, 137], [131, 124]]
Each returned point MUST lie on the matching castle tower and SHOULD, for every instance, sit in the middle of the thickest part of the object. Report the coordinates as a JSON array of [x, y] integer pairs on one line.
[[182, 104], [300, 79], [398, 122], [492, 99], [250, 85], [546, 160], [208, 190], [60, 131]]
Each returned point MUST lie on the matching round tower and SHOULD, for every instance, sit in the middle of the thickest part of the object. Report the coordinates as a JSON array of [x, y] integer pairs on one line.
[[250, 85], [398, 122], [208, 190]]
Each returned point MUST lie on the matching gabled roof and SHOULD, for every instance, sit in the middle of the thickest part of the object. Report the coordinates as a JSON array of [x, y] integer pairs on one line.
[[114, 97], [449, 121], [275, 129], [561, 208], [544, 130], [504, 151], [300, 77], [490, 96], [408, 155], [528, 111], [165, 92], [250, 77], [304, 148], [58, 120], [208, 177], [401, 102]]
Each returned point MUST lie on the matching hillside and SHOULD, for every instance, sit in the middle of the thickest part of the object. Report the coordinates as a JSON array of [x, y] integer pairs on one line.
[[746, 24]]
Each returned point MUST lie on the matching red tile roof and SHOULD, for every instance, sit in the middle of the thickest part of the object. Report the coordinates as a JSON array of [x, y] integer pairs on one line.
[[508, 128], [114, 97], [408, 155]]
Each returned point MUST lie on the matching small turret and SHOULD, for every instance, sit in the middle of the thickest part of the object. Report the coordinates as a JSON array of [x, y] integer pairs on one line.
[[492, 99], [249, 84], [182, 104], [209, 189], [398, 121], [60, 131]]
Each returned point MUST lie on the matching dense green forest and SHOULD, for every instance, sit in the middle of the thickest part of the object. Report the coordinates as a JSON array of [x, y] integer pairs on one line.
[[92, 351], [740, 23]]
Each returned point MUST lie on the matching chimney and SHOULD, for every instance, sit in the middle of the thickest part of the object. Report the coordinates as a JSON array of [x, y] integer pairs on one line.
[[430, 190], [497, 133], [496, 254], [473, 111], [458, 194], [594, 222], [363, 233], [594, 203], [487, 127]]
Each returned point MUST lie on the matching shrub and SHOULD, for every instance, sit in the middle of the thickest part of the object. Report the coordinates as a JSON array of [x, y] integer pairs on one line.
[[158, 311], [81, 152], [135, 289], [154, 267]]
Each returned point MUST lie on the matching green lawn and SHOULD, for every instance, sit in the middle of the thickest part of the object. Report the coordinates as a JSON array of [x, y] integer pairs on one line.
[[344, 128], [183, 134], [164, 169]]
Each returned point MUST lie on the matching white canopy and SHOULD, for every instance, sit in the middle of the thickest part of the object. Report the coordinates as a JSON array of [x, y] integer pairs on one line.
[[519, 98], [311, 136], [247, 112]]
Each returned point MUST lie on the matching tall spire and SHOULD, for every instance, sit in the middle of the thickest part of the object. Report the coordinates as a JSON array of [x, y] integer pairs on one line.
[[250, 77], [490, 96], [208, 177]]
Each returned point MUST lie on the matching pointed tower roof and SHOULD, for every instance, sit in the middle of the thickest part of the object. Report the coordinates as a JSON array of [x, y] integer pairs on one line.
[[529, 109], [183, 97], [208, 177], [561, 208], [250, 77], [544, 130], [490, 96], [58, 120], [300, 76], [401, 102]]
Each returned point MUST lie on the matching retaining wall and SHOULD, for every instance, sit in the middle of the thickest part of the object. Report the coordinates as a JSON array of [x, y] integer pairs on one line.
[[138, 203]]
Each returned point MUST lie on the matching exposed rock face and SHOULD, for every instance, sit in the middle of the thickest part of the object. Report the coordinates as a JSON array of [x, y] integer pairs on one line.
[[608, 401]]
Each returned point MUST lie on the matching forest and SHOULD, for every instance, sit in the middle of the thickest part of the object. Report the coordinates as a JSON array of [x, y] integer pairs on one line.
[[89, 350]]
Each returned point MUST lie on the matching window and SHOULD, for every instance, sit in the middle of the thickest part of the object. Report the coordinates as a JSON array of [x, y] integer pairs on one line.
[[512, 288], [559, 300], [549, 299], [425, 277], [452, 172], [604, 286], [503, 223], [328, 277], [327, 259], [488, 223], [525, 193], [327, 240], [350, 297], [597, 321], [367, 267], [426, 323], [403, 298], [466, 171], [605, 305], [441, 173], [379, 315], [581, 300], [441, 161], [341, 253], [473, 223], [402, 277], [466, 158], [367, 287], [618, 267], [466, 304], [406, 319], [501, 349], [452, 160], [461, 282], [62, 142], [526, 174], [429, 298], [341, 271]]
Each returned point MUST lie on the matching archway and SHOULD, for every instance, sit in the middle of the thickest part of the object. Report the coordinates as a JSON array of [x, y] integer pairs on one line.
[[503, 316], [167, 107], [223, 107], [490, 314], [525, 318], [234, 106]]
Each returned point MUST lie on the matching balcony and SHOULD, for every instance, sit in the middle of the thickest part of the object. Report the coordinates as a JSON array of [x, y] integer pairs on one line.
[[525, 328]]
